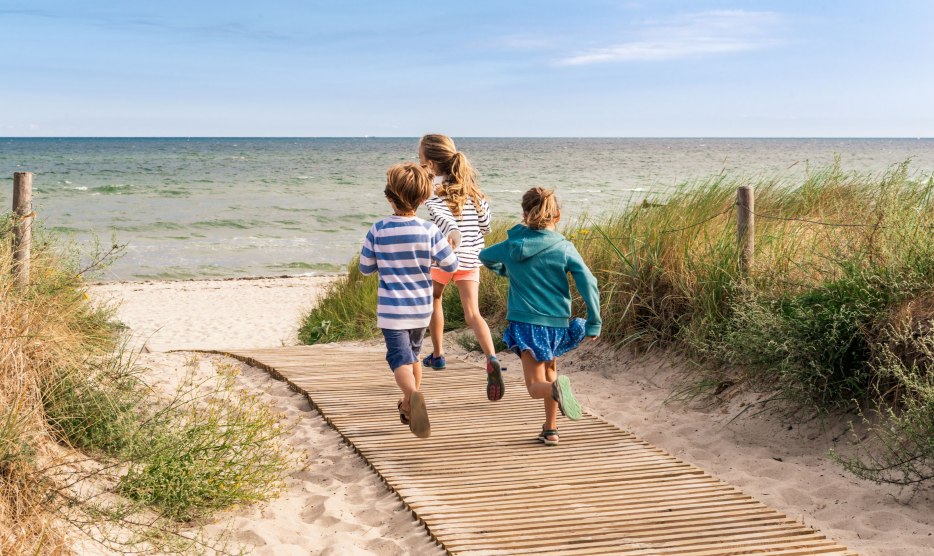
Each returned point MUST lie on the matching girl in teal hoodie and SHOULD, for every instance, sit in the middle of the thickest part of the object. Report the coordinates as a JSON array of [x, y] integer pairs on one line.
[[537, 260]]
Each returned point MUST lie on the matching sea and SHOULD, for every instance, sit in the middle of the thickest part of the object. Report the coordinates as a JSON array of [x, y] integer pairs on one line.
[[193, 208]]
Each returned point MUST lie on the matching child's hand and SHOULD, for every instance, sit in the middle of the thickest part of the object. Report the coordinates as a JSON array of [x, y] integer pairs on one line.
[[454, 238], [593, 338]]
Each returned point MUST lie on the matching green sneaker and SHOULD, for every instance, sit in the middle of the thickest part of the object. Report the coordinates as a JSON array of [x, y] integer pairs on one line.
[[567, 403]]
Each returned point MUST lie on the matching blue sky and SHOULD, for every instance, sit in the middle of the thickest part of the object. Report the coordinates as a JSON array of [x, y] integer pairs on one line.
[[474, 68]]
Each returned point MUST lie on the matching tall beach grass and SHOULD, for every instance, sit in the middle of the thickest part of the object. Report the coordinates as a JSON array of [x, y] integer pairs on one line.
[[835, 313], [88, 450]]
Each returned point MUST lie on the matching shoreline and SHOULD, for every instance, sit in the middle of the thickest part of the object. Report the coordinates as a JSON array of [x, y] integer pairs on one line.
[[215, 279]]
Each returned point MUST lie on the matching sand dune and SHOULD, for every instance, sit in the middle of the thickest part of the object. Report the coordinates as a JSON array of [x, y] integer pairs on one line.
[[338, 506]]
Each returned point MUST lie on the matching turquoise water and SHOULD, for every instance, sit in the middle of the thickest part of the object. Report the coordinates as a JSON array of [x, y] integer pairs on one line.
[[193, 208]]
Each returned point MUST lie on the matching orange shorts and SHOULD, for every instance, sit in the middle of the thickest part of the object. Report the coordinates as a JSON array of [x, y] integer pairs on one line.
[[442, 277]]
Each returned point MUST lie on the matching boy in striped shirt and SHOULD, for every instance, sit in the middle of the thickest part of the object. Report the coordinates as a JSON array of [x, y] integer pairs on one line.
[[400, 249]]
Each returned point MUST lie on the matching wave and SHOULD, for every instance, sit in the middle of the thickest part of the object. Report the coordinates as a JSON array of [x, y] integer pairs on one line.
[[112, 189], [173, 193], [228, 223], [318, 267], [151, 227]]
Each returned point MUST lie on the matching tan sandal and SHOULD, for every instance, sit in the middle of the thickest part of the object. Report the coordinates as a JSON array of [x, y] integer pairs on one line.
[[418, 416]]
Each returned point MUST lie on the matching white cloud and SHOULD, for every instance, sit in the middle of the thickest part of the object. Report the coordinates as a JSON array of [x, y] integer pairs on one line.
[[690, 36]]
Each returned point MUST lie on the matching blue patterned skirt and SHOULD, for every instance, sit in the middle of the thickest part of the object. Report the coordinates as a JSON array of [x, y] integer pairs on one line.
[[545, 342]]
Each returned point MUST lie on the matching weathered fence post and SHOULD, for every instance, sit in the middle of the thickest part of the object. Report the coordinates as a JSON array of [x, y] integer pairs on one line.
[[22, 229], [745, 226]]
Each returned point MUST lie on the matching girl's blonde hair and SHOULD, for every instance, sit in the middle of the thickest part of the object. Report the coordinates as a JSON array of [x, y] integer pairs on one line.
[[540, 208], [461, 182]]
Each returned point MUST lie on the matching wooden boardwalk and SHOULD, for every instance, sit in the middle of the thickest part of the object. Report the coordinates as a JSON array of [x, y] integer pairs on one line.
[[483, 485]]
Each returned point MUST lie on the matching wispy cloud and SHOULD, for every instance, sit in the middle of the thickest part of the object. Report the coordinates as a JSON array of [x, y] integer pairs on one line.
[[689, 36]]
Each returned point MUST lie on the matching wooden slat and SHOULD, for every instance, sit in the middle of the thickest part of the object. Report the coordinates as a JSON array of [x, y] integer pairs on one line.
[[483, 484]]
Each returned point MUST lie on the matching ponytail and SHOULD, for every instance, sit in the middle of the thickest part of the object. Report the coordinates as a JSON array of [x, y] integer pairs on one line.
[[461, 182], [540, 208]]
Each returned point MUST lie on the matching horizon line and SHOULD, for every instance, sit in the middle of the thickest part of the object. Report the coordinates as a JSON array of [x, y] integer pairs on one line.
[[913, 138]]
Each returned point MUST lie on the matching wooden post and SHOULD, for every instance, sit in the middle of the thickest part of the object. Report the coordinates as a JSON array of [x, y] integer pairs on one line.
[[745, 226], [22, 229]]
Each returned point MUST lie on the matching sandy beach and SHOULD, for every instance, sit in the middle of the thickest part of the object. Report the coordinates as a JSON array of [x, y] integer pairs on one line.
[[336, 505]]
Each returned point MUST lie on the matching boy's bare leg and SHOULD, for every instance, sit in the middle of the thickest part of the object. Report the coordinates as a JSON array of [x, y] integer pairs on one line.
[[407, 382], [436, 325], [539, 388], [417, 372]]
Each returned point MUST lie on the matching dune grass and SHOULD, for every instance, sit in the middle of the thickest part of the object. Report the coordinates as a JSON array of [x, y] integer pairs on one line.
[[835, 314], [87, 448]]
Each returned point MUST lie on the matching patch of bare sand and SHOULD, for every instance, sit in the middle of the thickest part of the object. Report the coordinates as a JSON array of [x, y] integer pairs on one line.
[[335, 505]]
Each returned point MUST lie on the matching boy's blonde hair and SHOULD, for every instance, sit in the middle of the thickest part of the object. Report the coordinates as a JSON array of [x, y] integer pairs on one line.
[[540, 208], [461, 182], [407, 185]]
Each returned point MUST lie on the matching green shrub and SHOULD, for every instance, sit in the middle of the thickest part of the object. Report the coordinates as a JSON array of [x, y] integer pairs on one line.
[[96, 406], [346, 311], [899, 448], [197, 456], [187, 456]]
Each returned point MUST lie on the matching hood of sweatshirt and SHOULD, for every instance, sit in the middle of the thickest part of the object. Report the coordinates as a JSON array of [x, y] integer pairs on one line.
[[525, 242]]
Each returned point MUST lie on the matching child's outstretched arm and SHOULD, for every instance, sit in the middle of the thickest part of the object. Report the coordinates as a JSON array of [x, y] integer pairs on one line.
[[484, 221], [442, 253], [368, 255], [586, 284], [492, 257]]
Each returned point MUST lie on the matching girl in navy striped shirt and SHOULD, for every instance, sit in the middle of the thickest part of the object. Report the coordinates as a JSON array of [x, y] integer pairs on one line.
[[461, 211]]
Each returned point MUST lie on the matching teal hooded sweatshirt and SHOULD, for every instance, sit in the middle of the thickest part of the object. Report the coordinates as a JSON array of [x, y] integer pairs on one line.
[[537, 263]]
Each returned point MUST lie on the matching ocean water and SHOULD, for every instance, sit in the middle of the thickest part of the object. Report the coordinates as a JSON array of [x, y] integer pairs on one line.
[[196, 208]]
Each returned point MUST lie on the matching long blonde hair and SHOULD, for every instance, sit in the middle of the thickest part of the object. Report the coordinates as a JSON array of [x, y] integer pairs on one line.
[[540, 208], [461, 182]]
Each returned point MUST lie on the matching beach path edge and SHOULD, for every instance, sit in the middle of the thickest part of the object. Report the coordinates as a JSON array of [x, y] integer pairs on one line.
[[483, 484]]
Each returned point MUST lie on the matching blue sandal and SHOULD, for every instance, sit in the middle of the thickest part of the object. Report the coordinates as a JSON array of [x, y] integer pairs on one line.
[[436, 363], [543, 436]]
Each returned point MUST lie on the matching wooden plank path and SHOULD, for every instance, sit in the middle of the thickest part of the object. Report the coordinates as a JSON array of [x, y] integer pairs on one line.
[[484, 485]]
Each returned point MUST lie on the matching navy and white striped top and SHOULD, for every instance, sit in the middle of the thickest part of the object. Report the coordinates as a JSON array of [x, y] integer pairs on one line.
[[471, 226], [401, 249]]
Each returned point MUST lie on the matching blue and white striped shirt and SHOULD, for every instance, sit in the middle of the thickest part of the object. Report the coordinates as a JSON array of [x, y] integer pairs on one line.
[[401, 249]]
